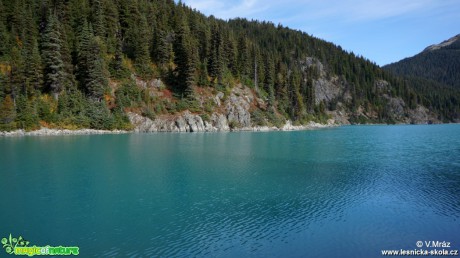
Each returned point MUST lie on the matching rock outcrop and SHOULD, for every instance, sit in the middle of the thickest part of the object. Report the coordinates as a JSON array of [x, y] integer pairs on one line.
[[421, 115], [185, 122], [232, 110], [238, 104], [327, 90], [235, 112]]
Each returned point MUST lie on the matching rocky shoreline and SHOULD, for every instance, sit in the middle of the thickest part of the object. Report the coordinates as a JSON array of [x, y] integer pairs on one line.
[[188, 122], [56, 132], [52, 132]]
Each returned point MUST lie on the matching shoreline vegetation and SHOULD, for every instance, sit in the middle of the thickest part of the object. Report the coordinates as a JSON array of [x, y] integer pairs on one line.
[[152, 66], [57, 132]]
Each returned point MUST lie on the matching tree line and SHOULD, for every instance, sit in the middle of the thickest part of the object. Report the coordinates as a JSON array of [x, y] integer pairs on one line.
[[58, 59]]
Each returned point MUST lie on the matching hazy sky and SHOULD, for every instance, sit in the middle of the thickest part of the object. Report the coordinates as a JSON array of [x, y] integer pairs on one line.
[[383, 31]]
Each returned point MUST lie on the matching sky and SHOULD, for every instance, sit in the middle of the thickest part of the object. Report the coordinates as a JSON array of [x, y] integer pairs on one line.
[[384, 31]]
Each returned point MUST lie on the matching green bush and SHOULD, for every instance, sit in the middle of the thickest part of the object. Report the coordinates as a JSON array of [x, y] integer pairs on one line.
[[148, 112], [121, 120], [234, 125], [276, 120], [128, 95], [258, 118], [99, 115], [44, 110], [7, 114], [27, 117], [205, 117]]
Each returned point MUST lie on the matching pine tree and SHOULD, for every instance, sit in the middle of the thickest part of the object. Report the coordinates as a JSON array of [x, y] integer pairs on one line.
[[185, 59], [203, 74], [26, 115], [96, 82], [98, 18], [83, 38], [117, 69], [52, 59], [33, 69], [5, 38], [17, 20], [17, 76], [142, 56], [243, 57], [162, 49], [269, 66], [281, 89], [216, 58], [112, 27], [91, 67], [230, 54]]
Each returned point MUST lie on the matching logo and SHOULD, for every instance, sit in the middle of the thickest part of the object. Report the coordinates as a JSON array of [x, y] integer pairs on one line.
[[20, 246]]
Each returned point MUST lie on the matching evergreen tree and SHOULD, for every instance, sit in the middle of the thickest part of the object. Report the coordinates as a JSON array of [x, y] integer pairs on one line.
[[243, 57], [98, 18], [17, 77], [52, 59], [216, 58], [83, 54], [5, 38], [231, 55], [33, 69], [142, 56], [26, 115], [91, 67], [117, 68], [46, 45], [17, 19], [96, 82], [162, 48], [112, 27], [185, 57]]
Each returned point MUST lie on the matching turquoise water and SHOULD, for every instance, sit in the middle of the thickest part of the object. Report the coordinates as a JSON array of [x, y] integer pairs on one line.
[[342, 192]]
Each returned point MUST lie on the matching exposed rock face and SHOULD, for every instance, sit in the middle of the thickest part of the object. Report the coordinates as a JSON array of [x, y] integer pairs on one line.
[[232, 110], [235, 110], [194, 123], [421, 115], [340, 115], [443, 44], [237, 106], [218, 97], [311, 61], [186, 122], [154, 83], [219, 122], [397, 108], [327, 90], [381, 85]]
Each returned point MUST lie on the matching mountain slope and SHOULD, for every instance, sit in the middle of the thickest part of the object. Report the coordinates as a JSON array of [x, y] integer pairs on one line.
[[101, 63], [440, 63]]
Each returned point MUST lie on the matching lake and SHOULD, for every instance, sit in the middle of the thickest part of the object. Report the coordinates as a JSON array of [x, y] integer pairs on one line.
[[350, 191]]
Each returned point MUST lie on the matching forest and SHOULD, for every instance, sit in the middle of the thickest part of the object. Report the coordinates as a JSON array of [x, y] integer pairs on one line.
[[441, 65], [74, 63]]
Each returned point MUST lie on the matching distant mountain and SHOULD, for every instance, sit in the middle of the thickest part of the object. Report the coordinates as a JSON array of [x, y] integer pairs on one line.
[[439, 62]]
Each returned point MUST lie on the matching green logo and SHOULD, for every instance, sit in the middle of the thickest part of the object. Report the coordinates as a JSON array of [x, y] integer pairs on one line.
[[20, 246], [12, 242]]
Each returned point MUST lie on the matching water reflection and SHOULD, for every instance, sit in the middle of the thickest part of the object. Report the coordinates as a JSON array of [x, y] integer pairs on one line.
[[248, 194]]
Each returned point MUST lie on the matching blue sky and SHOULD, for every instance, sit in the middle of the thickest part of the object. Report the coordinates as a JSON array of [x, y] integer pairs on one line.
[[383, 31]]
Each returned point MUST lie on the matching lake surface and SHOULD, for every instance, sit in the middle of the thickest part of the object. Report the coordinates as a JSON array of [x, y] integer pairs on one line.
[[343, 192]]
